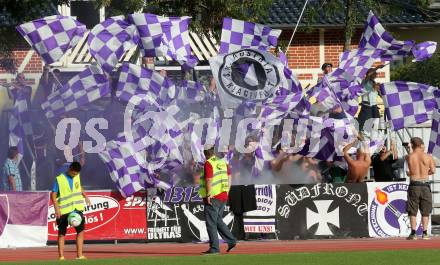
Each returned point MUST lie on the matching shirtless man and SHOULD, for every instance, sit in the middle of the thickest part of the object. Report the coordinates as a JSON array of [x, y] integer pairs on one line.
[[357, 168], [420, 166]]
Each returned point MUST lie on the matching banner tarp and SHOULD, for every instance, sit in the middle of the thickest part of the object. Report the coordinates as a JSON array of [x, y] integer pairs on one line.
[[23, 220], [109, 217], [322, 210], [387, 216]]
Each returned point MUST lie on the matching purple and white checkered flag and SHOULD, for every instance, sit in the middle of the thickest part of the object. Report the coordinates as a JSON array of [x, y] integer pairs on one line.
[[434, 140], [424, 50], [347, 92], [110, 40], [324, 94], [161, 36], [84, 88], [128, 168], [20, 120], [51, 37], [238, 34], [376, 37], [136, 80], [355, 63], [408, 103]]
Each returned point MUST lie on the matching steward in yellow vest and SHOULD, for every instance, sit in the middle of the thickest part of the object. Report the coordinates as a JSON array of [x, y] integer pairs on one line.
[[219, 178], [214, 188], [68, 196]]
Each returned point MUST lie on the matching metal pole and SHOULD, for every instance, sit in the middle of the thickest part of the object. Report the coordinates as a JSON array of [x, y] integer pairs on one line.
[[296, 26]]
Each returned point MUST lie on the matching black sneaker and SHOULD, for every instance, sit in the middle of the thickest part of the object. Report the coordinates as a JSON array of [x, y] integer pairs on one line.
[[412, 237], [231, 246], [210, 252]]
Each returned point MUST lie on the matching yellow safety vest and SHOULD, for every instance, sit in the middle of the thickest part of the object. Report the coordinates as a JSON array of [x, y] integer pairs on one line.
[[220, 180], [70, 200]]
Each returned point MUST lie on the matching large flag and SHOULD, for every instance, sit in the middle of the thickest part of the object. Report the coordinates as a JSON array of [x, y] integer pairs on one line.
[[238, 34], [110, 40], [355, 63], [20, 123], [84, 88], [247, 75], [136, 80], [161, 36], [128, 168], [408, 103], [376, 37], [434, 141], [51, 37], [23, 219]]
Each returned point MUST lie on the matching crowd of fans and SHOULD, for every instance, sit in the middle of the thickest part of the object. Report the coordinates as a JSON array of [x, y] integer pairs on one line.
[[285, 168]]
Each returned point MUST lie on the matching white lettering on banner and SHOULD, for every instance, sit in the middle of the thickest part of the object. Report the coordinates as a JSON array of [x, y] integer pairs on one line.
[[170, 232], [259, 228], [284, 211], [135, 201], [297, 195], [262, 220]]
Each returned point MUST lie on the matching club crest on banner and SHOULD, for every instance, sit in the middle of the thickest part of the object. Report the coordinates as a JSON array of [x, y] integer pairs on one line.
[[387, 210], [246, 75]]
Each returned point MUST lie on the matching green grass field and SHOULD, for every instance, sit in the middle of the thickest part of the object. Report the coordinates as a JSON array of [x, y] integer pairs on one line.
[[402, 257]]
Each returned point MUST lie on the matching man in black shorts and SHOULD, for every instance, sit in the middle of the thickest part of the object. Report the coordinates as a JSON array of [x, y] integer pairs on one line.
[[68, 196], [420, 166]]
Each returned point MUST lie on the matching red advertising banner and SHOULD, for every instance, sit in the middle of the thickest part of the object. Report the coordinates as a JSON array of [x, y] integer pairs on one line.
[[109, 217]]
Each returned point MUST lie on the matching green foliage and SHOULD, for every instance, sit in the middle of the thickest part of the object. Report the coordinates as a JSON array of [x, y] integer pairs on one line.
[[15, 13], [426, 72], [207, 15], [120, 7], [354, 11]]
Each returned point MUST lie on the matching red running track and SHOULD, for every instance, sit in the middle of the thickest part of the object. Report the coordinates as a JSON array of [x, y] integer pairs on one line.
[[95, 251]]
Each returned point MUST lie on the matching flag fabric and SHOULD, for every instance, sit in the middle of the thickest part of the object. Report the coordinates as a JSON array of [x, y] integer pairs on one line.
[[84, 88], [324, 138], [23, 219], [162, 36], [238, 34], [434, 140], [324, 95], [408, 103], [376, 37], [110, 40], [424, 50], [354, 64], [20, 124], [250, 75], [347, 92], [124, 164], [136, 80], [51, 37]]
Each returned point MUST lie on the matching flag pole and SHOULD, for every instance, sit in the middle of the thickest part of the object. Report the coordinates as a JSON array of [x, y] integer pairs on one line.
[[296, 26]]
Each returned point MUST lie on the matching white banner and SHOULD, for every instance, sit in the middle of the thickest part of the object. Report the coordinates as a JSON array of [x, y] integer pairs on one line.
[[387, 216], [23, 219], [262, 220]]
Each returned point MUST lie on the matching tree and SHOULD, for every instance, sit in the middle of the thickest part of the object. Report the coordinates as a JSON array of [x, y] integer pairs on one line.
[[354, 11], [207, 15], [14, 13], [417, 72]]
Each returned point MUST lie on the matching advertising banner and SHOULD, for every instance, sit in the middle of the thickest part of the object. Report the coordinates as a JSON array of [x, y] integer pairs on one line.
[[322, 210], [262, 220], [178, 216], [109, 217], [23, 219], [387, 216]]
